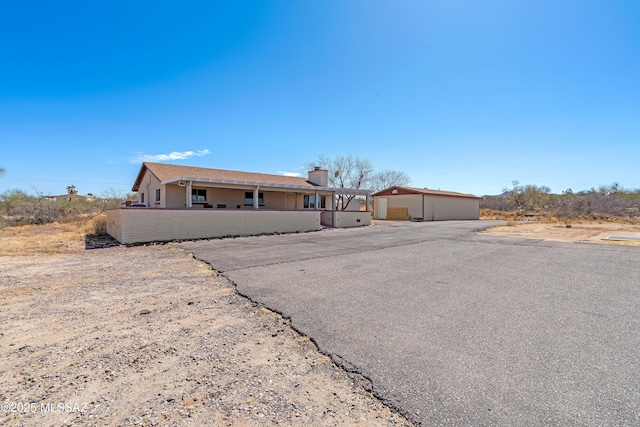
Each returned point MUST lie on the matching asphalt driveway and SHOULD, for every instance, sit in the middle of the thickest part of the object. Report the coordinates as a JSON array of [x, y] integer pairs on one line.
[[457, 328]]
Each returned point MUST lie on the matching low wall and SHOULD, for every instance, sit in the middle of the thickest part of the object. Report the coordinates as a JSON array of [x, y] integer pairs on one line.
[[326, 218], [346, 219], [139, 225]]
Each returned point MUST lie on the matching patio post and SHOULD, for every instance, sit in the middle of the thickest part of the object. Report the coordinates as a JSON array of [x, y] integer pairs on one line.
[[255, 198], [188, 195], [333, 209]]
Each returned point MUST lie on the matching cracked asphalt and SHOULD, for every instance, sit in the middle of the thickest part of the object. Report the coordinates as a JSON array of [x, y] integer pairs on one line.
[[455, 328]]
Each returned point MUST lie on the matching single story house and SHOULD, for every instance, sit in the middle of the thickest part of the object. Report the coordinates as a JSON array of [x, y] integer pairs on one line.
[[424, 204], [183, 202], [69, 197]]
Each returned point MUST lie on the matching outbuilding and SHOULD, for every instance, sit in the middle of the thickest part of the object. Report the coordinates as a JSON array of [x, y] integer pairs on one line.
[[424, 204]]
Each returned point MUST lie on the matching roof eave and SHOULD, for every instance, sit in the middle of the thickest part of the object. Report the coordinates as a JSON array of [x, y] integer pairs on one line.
[[267, 185], [138, 181], [426, 191]]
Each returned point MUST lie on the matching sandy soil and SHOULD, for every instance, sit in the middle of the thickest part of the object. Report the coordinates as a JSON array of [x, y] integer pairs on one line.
[[592, 233], [150, 336]]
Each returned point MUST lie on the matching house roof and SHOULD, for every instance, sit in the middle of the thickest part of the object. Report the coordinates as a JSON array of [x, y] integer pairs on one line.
[[411, 190], [166, 172], [68, 196]]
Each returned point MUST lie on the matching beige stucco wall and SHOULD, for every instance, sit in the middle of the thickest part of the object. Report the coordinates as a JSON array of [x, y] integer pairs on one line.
[[346, 219], [436, 208], [114, 224], [148, 187], [326, 218], [173, 196], [440, 208], [353, 206], [138, 225], [413, 202]]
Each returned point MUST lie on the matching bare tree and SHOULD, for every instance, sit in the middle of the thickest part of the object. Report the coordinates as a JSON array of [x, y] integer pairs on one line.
[[388, 178], [355, 172], [2, 171], [112, 197], [345, 172]]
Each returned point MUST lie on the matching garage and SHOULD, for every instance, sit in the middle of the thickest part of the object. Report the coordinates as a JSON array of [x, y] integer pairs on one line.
[[424, 204]]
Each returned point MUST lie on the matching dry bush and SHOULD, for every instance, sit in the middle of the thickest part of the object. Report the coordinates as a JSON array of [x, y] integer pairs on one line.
[[497, 203], [96, 225], [20, 208], [551, 219], [498, 214], [53, 238], [606, 203]]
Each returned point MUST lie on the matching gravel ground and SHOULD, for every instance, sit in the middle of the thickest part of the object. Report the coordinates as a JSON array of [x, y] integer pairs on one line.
[[572, 232], [150, 336]]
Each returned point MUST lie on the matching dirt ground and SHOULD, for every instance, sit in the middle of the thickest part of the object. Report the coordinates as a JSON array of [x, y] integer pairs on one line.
[[150, 336], [577, 232]]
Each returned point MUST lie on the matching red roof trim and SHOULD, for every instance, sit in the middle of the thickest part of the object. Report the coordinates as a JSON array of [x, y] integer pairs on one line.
[[412, 190]]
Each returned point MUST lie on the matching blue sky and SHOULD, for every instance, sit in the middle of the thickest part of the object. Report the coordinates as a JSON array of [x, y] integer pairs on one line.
[[462, 95]]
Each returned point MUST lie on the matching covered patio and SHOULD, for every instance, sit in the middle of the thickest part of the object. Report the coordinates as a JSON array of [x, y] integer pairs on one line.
[[197, 203]]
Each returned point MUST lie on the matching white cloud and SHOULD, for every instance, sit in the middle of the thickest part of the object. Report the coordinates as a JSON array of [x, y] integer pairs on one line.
[[296, 174], [174, 155]]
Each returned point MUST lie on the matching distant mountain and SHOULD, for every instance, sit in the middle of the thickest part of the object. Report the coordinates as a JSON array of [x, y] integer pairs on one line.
[[502, 196]]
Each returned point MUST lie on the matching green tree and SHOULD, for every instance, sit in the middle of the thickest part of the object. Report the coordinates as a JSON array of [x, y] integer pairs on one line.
[[71, 189]]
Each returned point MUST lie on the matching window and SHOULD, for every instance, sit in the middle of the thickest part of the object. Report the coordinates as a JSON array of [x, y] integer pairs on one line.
[[310, 202], [158, 195], [248, 198], [198, 195], [141, 197]]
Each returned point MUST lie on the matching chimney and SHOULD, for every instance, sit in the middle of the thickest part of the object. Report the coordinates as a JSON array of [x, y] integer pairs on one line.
[[319, 177]]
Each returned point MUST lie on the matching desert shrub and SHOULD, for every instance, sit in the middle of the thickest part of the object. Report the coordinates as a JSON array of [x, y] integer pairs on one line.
[[20, 208], [594, 204], [529, 197], [96, 225], [537, 203], [498, 214], [498, 203], [551, 219]]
